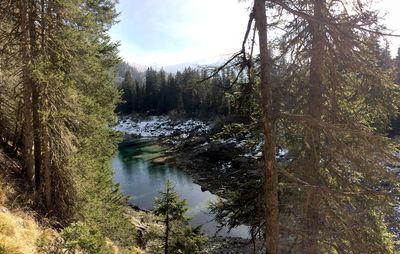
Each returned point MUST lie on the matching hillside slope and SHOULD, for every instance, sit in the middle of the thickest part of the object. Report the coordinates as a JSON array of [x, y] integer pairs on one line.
[[20, 230]]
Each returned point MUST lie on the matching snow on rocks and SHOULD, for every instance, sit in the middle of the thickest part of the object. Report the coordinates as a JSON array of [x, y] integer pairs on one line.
[[160, 126], [226, 166], [256, 150]]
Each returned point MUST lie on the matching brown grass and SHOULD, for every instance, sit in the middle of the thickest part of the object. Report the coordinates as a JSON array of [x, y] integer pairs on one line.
[[7, 167], [20, 233], [20, 230]]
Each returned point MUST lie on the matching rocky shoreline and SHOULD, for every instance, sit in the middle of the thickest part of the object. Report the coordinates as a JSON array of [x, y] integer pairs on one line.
[[144, 220], [218, 166]]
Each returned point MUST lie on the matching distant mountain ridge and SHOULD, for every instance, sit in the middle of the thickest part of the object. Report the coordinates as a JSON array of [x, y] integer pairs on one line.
[[122, 68], [170, 68]]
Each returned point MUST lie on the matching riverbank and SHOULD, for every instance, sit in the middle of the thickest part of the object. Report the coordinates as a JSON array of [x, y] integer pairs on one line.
[[142, 180], [148, 226], [217, 165]]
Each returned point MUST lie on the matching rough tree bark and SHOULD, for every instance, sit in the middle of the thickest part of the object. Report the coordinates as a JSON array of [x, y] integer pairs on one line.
[[312, 153], [27, 133], [46, 145], [166, 227], [35, 101], [47, 169], [270, 171]]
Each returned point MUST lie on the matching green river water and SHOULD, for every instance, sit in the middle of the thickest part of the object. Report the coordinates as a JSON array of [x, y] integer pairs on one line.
[[141, 180]]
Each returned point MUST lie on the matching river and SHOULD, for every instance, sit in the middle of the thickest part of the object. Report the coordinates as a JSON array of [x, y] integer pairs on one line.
[[142, 180]]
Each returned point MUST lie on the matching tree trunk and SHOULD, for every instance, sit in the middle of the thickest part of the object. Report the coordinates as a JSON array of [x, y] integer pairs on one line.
[[2, 127], [17, 133], [35, 102], [312, 153], [167, 224], [27, 96], [166, 234], [47, 169], [270, 171], [46, 144]]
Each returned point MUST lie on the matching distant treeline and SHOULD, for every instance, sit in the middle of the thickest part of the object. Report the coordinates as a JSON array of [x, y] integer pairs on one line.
[[184, 93], [191, 93]]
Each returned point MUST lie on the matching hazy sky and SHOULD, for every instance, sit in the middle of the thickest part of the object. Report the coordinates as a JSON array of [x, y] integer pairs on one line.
[[168, 32]]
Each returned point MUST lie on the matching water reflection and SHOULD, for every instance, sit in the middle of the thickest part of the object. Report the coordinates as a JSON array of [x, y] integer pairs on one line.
[[143, 180]]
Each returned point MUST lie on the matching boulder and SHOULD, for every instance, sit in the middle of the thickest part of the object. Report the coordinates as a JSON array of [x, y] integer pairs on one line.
[[217, 152]]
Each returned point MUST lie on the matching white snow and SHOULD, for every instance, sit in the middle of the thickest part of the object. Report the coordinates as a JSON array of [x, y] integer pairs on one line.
[[228, 141], [160, 126], [256, 151], [204, 144], [226, 166]]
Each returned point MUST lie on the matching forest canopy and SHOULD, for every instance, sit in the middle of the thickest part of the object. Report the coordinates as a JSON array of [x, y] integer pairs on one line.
[[314, 80]]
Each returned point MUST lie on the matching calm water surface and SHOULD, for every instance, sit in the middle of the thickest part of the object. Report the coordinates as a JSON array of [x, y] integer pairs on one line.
[[142, 180]]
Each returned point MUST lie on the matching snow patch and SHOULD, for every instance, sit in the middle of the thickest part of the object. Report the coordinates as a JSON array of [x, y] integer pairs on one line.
[[256, 151], [225, 167], [161, 126]]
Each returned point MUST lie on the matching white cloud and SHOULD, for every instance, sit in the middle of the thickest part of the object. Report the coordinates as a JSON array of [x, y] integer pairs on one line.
[[391, 20], [209, 29]]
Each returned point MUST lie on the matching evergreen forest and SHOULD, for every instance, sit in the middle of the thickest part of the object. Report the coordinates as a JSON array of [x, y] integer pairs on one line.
[[288, 145]]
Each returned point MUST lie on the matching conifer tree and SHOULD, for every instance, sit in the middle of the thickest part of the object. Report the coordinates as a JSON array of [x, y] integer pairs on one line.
[[172, 209], [332, 96], [152, 89], [65, 98], [269, 131], [129, 95], [338, 157], [397, 67], [27, 91]]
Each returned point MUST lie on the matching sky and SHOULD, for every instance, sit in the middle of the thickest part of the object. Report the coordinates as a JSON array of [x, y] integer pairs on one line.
[[171, 32]]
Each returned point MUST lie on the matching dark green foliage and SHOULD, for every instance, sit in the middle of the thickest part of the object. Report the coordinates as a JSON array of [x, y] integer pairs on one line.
[[179, 236], [182, 93], [122, 68], [358, 100], [99, 202], [79, 236], [70, 70], [395, 123], [169, 205], [244, 206], [187, 239], [152, 89], [397, 68], [129, 91]]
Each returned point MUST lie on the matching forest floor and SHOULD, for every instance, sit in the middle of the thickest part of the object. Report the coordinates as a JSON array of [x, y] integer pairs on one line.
[[147, 224], [22, 230], [25, 230]]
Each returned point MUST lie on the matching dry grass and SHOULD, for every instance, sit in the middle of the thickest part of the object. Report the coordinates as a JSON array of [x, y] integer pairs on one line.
[[115, 250], [7, 185], [20, 233], [4, 192], [137, 250]]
